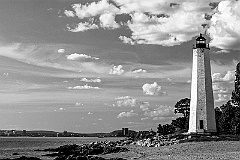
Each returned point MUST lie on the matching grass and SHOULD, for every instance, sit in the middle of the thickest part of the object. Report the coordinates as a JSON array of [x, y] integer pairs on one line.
[[207, 150]]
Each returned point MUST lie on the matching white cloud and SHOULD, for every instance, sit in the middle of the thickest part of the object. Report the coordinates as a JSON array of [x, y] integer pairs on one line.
[[139, 71], [62, 109], [108, 21], [117, 70], [229, 76], [90, 113], [86, 86], [224, 28], [161, 111], [127, 114], [91, 80], [151, 89], [162, 22], [78, 104], [103, 9], [76, 56], [100, 119], [81, 27], [219, 88], [222, 51], [145, 118], [222, 97], [126, 40], [126, 101], [69, 13], [170, 29], [144, 106], [94, 9], [61, 50]]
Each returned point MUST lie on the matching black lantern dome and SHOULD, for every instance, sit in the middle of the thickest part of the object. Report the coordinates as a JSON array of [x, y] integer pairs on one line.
[[201, 42]]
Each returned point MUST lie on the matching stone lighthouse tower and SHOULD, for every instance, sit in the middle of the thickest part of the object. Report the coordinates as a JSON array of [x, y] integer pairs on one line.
[[202, 114]]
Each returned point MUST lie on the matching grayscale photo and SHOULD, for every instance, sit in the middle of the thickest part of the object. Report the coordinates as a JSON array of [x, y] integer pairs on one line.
[[119, 79]]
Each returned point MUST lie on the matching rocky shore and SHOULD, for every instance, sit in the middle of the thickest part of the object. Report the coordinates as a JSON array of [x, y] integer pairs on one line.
[[133, 149]]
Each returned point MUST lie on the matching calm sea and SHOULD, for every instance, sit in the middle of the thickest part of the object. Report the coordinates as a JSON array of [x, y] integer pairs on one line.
[[25, 146]]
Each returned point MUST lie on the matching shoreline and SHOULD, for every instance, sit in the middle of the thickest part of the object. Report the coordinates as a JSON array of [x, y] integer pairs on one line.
[[193, 149]]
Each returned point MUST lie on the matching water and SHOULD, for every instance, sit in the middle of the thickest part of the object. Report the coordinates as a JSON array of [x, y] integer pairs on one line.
[[25, 146]]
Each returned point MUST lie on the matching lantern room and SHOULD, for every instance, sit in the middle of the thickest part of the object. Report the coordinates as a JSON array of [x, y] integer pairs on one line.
[[201, 42]]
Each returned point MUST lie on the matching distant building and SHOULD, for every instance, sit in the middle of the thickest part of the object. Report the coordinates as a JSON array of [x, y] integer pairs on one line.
[[125, 131], [65, 133], [24, 133]]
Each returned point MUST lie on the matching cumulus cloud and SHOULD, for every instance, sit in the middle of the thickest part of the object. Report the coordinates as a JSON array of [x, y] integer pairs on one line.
[[81, 27], [86, 86], [161, 111], [229, 76], [76, 56], [224, 28], [126, 40], [127, 114], [222, 97], [144, 106], [151, 89], [126, 101], [90, 113], [94, 9], [117, 70], [220, 88], [69, 13], [103, 9], [91, 80], [108, 21], [163, 22]]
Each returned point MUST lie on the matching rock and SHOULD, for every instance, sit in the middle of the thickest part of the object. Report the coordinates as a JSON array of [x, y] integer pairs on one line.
[[75, 152]]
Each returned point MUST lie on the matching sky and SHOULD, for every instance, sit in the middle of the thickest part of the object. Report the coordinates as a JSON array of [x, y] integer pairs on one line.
[[101, 65]]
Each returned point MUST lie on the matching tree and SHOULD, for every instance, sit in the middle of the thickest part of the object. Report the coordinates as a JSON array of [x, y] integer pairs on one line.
[[183, 106], [228, 118], [160, 129], [168, 129], [218, 115], [181, 123], [236, 92]]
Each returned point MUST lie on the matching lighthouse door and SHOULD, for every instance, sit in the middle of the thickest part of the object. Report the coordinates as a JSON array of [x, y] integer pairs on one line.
[[201, 124]]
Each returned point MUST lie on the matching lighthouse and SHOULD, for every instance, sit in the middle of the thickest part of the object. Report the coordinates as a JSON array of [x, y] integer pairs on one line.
[[202, 114]]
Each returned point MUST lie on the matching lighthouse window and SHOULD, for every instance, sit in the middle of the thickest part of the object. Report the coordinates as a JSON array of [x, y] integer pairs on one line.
[[201, 124]]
